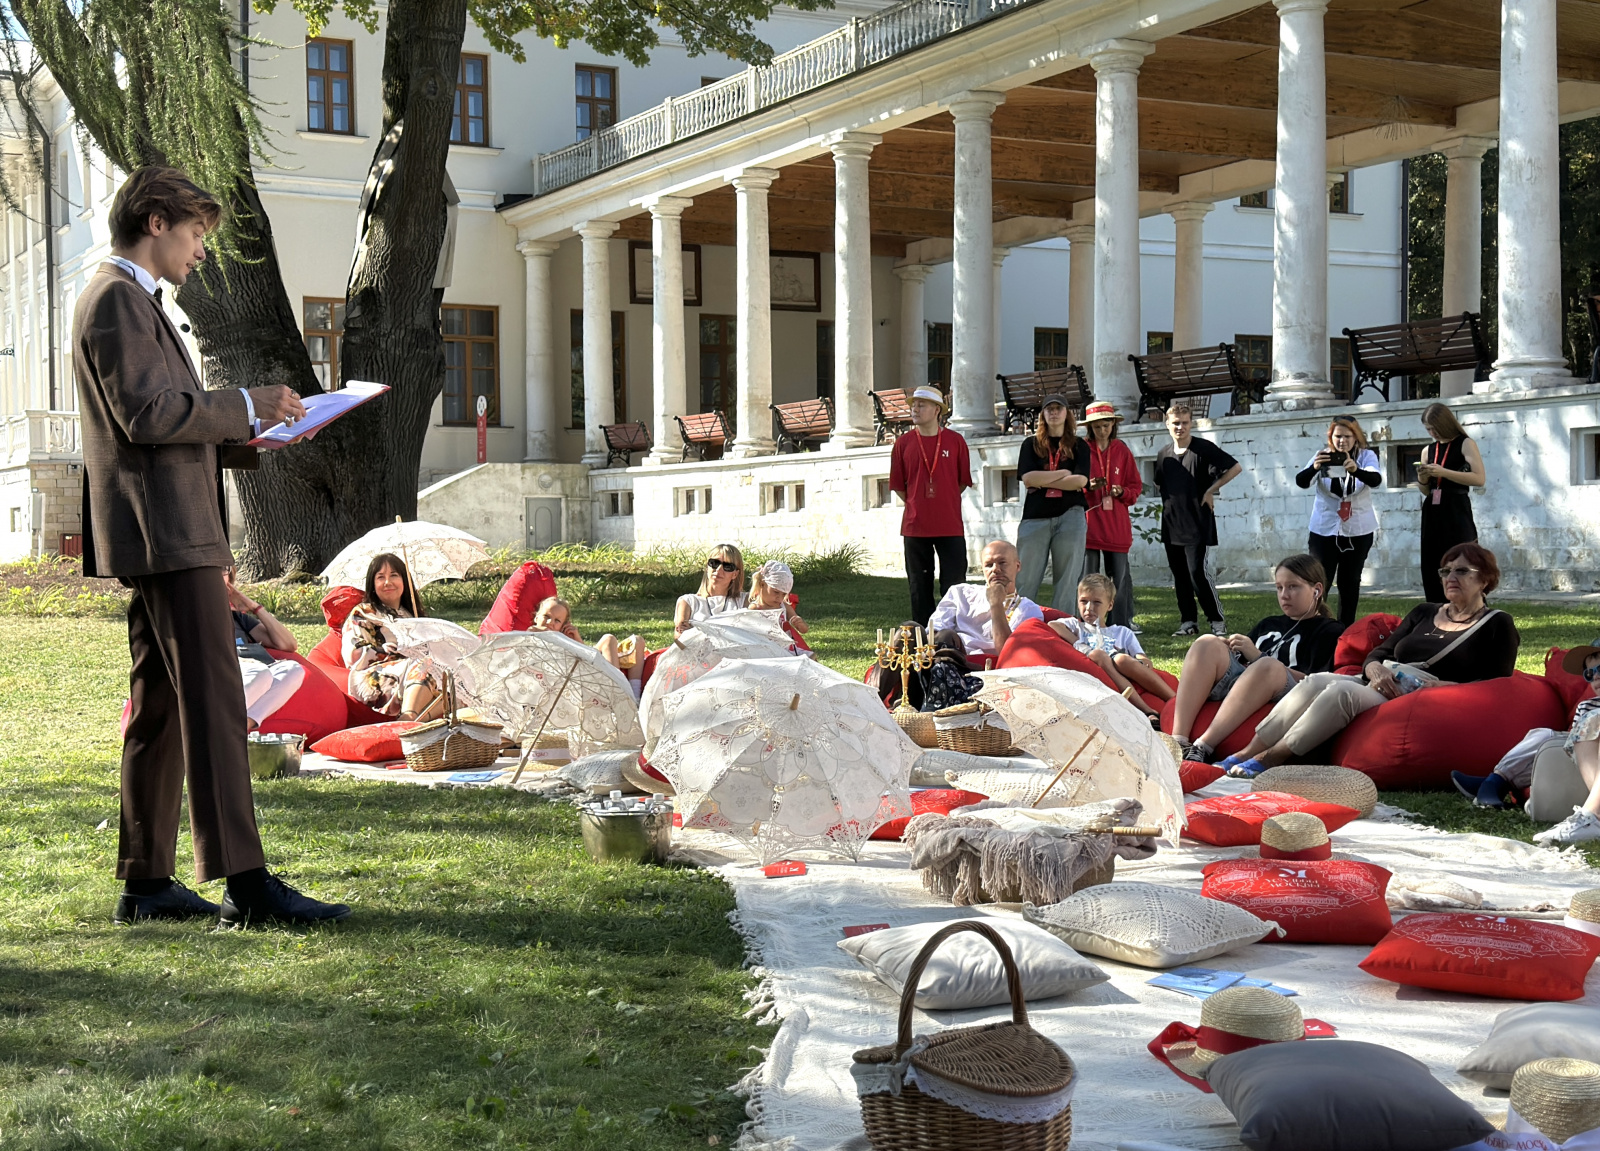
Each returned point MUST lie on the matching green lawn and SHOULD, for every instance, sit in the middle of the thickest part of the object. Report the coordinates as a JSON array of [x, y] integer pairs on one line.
[[493, 988]]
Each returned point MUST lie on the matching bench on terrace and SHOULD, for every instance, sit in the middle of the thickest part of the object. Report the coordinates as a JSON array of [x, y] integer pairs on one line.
[[802, 425], [622, 440], [1191, 374], [1416, 348], [1025, 392], [891, 414], [703, 432]]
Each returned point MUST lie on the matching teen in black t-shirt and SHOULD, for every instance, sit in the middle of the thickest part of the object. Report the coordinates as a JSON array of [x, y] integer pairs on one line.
[[1053, 468], [1189, 473]]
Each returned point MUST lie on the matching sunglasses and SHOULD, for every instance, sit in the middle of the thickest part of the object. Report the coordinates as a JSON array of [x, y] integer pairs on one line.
[[1592, 673], [714, 564], [1459, 573]]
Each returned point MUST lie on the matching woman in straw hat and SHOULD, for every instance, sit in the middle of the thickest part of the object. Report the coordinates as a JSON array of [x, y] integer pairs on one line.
[[1114, 486]]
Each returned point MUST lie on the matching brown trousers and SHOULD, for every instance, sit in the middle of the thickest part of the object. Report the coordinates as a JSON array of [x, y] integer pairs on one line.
[[187, 720]]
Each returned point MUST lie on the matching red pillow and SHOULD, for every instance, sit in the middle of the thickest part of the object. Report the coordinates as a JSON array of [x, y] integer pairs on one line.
[[1492, 955], [375, 743], [338, 603], [1573, 688], [316, 709], [529, 586], [1336, 901], [1236, 742], [940, 800], [1358, 640], [1416, 741], [1194, 775], [1235, 820]]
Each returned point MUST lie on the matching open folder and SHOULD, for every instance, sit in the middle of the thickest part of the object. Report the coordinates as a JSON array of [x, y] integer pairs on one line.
[[321, 410]]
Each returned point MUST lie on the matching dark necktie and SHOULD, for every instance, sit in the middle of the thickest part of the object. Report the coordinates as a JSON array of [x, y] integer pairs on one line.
[[157, 294]]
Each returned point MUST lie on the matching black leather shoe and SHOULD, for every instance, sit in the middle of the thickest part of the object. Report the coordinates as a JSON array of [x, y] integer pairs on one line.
[[271, 900], [175, 901]]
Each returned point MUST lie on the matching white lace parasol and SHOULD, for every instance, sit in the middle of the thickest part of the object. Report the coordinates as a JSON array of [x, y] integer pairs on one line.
[[1073, 721], [785, 753], [446, 643], [736, 635], [541, 682], [432, 552]]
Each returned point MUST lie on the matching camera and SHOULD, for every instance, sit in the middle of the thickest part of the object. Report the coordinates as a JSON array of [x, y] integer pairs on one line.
[[1336, 459], [1096, 483]]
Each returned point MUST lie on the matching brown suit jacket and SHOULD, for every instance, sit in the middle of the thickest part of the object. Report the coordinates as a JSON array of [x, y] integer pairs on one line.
[[152, 491]]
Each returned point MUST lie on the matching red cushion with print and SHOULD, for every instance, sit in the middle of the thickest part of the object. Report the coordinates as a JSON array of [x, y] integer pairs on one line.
[[1572, 688], [1235, 820], [339, 602], [1333, 901], [1416, 741], [933, 800], [374, 743], [1194, 775], [1357, 641], [1241, 737], [316, 709], [528, 587], [1493, 955]]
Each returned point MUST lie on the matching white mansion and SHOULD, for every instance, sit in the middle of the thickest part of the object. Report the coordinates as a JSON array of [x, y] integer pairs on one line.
[[938, 189]]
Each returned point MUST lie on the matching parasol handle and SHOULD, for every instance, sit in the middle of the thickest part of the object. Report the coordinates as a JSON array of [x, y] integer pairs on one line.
[[1063, 770], [411, 577], [542, 723]]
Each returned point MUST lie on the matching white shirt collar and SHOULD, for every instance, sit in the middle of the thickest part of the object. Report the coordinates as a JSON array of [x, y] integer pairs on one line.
[[143, 278]]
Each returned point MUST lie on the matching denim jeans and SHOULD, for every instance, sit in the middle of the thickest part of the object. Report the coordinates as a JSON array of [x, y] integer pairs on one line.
[[1058, 543]]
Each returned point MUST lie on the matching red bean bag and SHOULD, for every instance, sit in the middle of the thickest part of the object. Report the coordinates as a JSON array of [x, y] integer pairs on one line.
[[1035, 644], [339, 603], [1242, 734], [1358, 640], [327, 658], [940, 800], [1416, 741], [529, 586], [316, 709], [1573, 688]]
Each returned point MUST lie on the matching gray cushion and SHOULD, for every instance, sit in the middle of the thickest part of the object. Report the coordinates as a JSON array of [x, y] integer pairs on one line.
[[1535, 1031], [1337, 1095]]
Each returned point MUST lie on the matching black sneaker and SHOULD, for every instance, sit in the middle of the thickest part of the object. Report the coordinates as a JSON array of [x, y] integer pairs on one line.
[[1187, 627], [1466, 784], [267, 899], [175, 901]]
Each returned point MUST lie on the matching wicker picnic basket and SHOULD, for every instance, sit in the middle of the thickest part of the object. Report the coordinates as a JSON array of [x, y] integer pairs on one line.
[[972, 727], [918, 725], [451, 743], [1011, 1086]]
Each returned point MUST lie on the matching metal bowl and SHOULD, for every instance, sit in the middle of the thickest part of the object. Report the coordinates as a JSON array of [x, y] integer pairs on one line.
[[635, 836], [274, 756]]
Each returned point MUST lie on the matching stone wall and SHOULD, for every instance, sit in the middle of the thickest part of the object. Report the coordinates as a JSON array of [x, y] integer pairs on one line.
[[61, 484]]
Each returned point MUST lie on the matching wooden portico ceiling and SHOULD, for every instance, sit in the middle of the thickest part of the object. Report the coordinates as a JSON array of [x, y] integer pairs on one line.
[[1207, 98]]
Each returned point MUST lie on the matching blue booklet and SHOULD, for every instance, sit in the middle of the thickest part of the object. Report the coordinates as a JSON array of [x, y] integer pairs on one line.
[[1203, 982]]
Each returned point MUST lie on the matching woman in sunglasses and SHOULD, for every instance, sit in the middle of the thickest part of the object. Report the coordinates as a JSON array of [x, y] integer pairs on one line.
[[721, 589], [1462, 640]]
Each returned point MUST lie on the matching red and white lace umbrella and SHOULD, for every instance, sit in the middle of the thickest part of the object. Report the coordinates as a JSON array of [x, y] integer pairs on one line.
[[735, 635], [785, 754]]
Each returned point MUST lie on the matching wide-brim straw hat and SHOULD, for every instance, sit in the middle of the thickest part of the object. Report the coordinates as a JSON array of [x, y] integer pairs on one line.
[[1100, 410], [1560, 1097], [1295, 835], [1576, 657], [931, 394], [1583, 912], [1322, 783], [1245, 1012]]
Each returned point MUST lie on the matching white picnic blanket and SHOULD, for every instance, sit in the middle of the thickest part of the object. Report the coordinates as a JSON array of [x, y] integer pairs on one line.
[[802, 1096]]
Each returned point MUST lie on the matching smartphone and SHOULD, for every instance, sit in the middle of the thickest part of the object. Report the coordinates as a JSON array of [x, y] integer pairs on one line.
[[1096, 483], [1337, 459]]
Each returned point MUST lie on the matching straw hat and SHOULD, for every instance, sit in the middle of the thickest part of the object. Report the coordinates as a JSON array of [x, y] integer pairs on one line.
[[931, 394], [1100, 410], [1239, 1012], [1322, 783], [1295, 835], [1583, 913], [1559, 1097]]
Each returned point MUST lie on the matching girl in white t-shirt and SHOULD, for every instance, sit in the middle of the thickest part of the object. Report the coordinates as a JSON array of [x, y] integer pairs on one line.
[[1113, 647]]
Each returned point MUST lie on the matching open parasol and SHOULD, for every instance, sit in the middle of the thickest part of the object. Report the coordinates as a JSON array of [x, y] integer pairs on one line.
[[784, 753], [432, 552], [1100, 744], [735, 635], [540, 682]]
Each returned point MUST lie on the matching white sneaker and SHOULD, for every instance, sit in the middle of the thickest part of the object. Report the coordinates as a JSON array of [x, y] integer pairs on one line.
[[1579, 827]]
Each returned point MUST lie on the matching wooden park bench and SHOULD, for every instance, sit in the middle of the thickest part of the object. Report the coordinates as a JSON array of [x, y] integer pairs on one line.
[[703, 432], [1416, 348], [1193, 373], [803, 425], [891, 414], [622, 440], [1025, 392]]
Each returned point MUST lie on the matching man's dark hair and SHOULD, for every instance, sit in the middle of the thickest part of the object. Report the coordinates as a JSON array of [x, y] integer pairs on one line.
[[158, 191]]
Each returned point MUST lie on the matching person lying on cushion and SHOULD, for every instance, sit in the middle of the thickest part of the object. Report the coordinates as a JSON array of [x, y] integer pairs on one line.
[[1462, 640], [555, 614], [269, 683], [1583, 744], [1246, 672], [1113, 647], [985, 616], [381, 676], [721, 589]]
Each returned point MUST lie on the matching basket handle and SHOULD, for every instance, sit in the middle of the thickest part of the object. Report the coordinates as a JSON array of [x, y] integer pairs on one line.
[[908, 994]]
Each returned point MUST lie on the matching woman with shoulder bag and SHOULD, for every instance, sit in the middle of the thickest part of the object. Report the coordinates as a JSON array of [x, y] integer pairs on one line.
[[1462, 640], [1341, 477], [1450, 465]]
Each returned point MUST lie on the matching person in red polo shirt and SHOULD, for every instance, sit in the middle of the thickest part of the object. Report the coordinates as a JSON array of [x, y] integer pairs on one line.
[[929, 468]]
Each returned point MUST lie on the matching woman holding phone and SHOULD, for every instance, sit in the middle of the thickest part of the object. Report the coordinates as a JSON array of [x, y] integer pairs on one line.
[[1343, 523], [1450, 465]]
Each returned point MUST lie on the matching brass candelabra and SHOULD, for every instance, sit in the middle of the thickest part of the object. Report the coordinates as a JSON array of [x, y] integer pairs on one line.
[[910, 650]]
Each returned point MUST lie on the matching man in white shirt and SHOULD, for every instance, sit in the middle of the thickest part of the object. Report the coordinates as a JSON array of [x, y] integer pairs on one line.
[[984, 616]]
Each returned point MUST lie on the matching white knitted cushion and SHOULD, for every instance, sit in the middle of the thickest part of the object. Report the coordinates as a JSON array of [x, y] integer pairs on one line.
[[1148, 924], [600, 773]]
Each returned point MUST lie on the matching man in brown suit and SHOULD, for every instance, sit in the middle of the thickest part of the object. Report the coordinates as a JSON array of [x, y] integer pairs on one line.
[[154, 517]]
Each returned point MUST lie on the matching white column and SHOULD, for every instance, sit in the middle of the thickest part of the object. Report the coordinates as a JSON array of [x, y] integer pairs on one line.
[[1116, 216], [852, 291], [1530, 202], [539, 370], [666, 342], [1300, 219], [913, 326], [1463, 243], [1080, 299], [753, 295], [1189, 277], [972, 380], [599, 397], [998, 325]]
